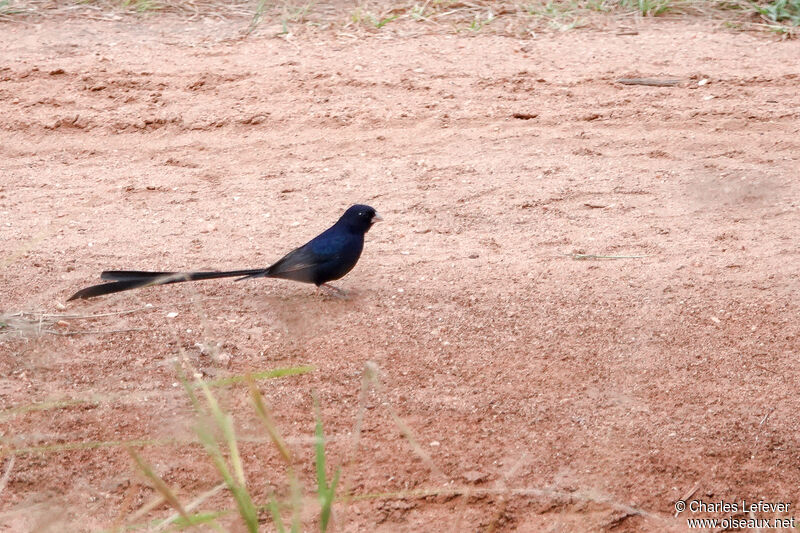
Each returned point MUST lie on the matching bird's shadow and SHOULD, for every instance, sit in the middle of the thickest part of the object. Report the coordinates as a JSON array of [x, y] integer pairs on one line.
[[306, 315]]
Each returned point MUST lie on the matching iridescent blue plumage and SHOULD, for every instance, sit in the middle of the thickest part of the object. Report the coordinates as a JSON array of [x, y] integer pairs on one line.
[[331, 254], [327, 257]]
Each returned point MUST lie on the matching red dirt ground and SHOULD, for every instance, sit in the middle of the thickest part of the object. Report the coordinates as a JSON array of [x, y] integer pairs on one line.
[[550, 393]]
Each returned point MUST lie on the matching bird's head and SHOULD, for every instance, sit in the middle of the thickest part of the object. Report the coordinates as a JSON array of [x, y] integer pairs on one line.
[[360, 218]]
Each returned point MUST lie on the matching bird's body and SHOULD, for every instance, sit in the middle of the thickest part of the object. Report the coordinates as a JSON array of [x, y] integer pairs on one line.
[[327, 257]]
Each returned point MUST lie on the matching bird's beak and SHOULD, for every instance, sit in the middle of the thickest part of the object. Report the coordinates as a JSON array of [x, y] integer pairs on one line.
[[377, 218]]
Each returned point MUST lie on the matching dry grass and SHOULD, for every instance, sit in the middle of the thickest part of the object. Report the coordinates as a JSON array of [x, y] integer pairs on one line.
[[30, 325], [215, 430], [114, 9], [457, 16], [507, 17]]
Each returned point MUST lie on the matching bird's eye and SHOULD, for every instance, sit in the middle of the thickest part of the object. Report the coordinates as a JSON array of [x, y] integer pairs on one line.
[[361, 214]]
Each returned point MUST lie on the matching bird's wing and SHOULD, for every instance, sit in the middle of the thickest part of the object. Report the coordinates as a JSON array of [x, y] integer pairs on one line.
[[298, 259], [322, 249]]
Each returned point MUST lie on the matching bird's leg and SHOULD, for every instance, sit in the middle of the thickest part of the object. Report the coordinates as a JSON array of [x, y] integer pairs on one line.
[[333, 291]]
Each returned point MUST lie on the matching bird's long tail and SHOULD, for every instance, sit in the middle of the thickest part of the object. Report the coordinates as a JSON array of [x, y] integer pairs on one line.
[[125, 280]]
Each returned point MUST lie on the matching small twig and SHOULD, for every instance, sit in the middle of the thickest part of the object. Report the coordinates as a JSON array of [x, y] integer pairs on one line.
[[191, 506], [581, 257], [688, 495], [652, 82], [758, 433], [91, 332], [82, 317], [6, 474]]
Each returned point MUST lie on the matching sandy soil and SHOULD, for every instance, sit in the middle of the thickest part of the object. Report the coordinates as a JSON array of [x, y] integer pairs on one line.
[[550, 393]]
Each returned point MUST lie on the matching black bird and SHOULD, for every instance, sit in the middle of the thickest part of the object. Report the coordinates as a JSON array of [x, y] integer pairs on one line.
[[328, 256]]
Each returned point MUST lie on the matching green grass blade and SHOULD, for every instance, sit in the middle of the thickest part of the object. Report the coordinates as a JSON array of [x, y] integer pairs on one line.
[[327, 503], [276, 515], [319, 447], [325, 492], [266, 374], [242, 498], [247, 510], [236, 485], [208, 518], [188, 387], [266, 418], [198, 519], [235, 482], [159, 484], [265, 415], [225, 424]]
